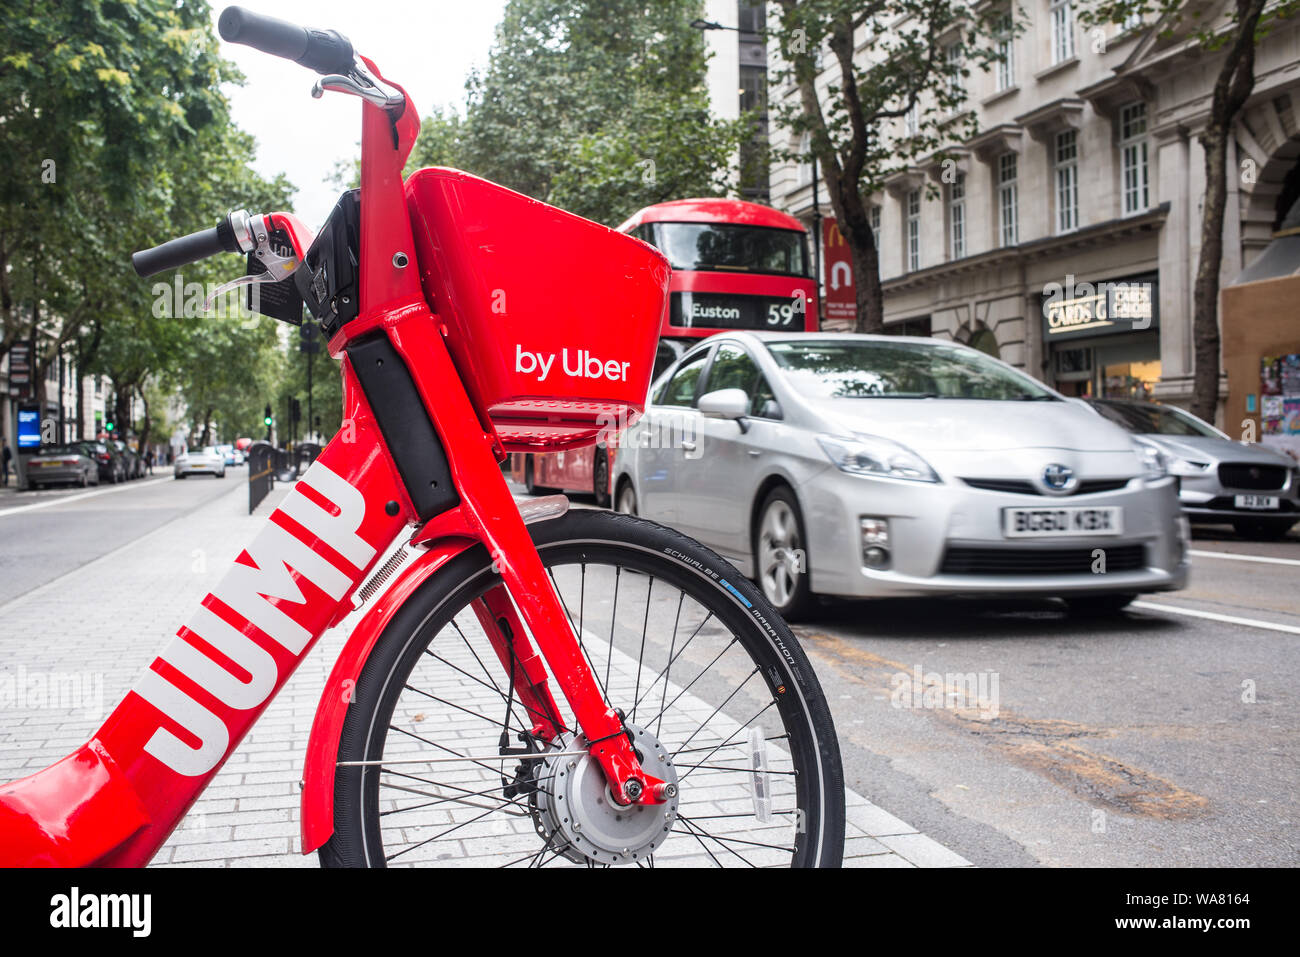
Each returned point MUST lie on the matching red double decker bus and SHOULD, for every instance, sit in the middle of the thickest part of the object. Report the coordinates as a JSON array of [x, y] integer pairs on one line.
[[736, 265]]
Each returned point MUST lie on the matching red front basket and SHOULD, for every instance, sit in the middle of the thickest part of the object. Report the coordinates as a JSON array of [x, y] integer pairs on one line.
[[552, 319]]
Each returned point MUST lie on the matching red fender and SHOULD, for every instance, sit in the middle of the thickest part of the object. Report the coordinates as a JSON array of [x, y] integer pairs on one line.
[[327, 727]]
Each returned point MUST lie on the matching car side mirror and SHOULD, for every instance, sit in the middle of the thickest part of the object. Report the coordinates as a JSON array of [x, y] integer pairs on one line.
[[725, 404]]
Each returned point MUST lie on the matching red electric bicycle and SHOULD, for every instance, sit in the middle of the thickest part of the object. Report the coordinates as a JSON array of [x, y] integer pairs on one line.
[[526, 685]]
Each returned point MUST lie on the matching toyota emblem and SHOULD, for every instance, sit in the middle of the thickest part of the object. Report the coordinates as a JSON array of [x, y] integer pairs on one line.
[[1058, 477]]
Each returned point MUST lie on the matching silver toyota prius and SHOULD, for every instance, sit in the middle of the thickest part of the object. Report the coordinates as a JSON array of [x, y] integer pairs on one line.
[[869, 466]]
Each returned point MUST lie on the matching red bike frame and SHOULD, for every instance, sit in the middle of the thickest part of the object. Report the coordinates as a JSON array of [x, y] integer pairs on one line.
[[115, 800]]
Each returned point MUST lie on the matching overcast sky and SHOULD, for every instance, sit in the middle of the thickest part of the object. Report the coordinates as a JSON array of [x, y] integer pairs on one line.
[[429, 46]]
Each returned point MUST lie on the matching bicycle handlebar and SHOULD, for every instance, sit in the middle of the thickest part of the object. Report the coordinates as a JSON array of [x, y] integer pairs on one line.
[[325, 51], [186, 249]]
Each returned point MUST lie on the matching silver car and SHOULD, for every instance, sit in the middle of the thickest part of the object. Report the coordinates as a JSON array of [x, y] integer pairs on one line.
[[1221, 481], [207, 460], [886, 465]]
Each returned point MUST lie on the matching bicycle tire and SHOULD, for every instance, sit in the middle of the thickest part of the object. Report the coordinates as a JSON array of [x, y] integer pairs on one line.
[[806, 753]]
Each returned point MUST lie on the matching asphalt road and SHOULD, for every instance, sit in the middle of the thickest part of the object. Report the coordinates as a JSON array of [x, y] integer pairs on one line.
[[48, 533], [1163, 737], [1156, 738]]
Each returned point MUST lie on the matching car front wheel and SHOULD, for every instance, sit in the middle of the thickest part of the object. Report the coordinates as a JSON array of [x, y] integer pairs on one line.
[[780, 556]]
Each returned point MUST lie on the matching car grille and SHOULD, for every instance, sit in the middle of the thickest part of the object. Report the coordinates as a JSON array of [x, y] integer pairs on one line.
[[1240, 475], [1021, 487], [964, 560]]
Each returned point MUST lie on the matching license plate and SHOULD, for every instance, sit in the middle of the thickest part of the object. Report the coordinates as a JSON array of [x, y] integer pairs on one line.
[[1256, 501], [1069, 520]]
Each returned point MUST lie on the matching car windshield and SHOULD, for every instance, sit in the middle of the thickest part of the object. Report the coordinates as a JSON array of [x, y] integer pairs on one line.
[[730, 248], [1154, 419], [60, 450], [209, 450], [876, 369]]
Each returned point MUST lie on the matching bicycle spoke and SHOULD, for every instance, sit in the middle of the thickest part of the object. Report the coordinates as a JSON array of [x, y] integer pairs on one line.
[[686, 656], [645, 626]]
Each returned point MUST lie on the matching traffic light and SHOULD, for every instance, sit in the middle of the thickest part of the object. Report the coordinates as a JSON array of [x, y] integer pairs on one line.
[[108, 426], [266, 419]]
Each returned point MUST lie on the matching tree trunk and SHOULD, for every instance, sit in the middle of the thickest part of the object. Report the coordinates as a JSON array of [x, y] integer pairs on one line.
[[207, 427], [1232, 87], [1205, 310], [121, 411]]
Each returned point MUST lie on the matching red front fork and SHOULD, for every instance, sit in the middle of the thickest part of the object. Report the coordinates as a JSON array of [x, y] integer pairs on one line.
[[392, 299]]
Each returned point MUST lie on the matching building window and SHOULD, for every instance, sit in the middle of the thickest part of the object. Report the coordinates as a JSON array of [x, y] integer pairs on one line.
[[1133, 157], [914, 230], [875, 223], [912, 119], [952, 54], [1006, 49], [805, 164], [1067, 181], [1008, 200], [1062, 31], [957, 217]]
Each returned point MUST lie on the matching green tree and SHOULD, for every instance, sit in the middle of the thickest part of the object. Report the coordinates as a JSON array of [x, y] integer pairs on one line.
[[1226, 35], [852, 122], [598, 106], [93, 96]]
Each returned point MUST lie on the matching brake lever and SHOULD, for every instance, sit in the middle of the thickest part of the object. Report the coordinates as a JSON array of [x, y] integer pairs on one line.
[[277, 265], [361, 82]]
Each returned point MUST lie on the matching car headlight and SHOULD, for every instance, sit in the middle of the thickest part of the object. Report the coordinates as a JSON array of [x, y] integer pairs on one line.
[[872, 455], [1179, 466], [1154, 464]]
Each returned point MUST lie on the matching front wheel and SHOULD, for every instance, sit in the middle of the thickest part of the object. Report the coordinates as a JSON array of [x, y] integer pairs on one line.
[[780, 555], [715, 692], [600, 477]]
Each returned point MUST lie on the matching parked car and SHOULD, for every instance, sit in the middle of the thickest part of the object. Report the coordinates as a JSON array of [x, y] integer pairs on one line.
[[229, 454], [110, 462], [205, 460], [134, 463], [1254, 489], [887, 465], [67, 464]]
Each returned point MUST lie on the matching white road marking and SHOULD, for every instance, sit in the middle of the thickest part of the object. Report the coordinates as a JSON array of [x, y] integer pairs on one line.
[[1232, 556], [1214, 616], [76, 498]]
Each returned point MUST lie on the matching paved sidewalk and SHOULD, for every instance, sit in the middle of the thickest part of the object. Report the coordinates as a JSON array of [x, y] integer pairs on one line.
[[95, 631]]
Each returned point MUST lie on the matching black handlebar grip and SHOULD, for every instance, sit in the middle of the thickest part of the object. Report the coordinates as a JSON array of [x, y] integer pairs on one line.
[[185, 250], [325, 51]]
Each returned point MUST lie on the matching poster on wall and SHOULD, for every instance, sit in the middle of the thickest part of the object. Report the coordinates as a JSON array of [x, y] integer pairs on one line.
[[1279, 389]]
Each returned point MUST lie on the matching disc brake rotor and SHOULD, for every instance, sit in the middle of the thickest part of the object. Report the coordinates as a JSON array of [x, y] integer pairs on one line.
[[577, 815]]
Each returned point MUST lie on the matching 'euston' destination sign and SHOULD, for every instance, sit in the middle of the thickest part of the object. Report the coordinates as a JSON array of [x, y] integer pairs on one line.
[[1078, 309]]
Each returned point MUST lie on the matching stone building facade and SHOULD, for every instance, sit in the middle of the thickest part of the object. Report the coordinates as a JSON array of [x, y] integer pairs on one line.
[[1078, 201]]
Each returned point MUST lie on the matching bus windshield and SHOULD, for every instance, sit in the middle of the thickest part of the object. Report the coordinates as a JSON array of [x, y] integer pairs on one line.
[[731, 248]]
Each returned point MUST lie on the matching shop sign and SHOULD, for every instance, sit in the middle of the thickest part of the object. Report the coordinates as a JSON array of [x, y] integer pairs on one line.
[[1076, 309]]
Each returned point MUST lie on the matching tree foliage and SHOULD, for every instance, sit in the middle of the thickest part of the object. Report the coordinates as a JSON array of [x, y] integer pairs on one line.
[[116, 137], [1227, 35], [855, 123], [598, 106]]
